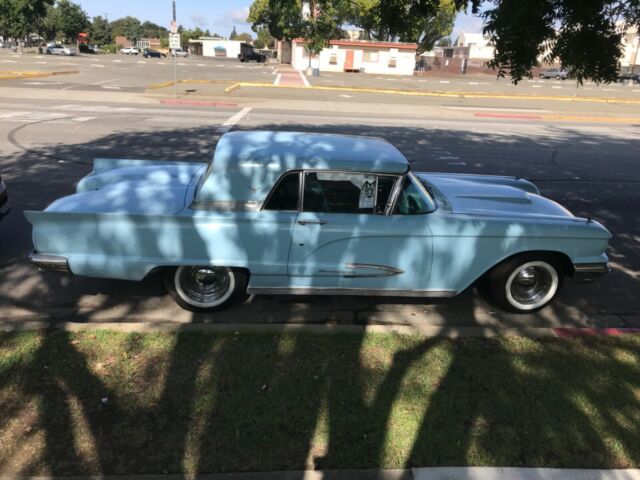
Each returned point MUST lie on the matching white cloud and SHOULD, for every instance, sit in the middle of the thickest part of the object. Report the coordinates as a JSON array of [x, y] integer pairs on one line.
[[236, 17]]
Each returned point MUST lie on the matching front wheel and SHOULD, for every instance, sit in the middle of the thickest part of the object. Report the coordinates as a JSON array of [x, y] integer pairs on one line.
[[205, 288], [526, 283]]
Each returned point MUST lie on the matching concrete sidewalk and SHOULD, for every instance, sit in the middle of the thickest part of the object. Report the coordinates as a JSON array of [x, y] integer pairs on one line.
[[435, 473]]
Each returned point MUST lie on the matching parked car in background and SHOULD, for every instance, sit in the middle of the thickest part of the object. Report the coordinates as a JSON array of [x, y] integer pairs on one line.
[[557, 73], [629, 77], [178, 52], [86, 48], [150, 53], [4, 199], [57, 49], [303, 213], [248, 53], [129, 51]]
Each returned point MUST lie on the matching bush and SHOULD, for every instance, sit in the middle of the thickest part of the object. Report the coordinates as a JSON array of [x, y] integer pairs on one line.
[[111, 48]]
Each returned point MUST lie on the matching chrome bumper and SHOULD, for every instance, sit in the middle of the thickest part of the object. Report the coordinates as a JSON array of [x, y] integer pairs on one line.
[[49, 262], [589, 271]]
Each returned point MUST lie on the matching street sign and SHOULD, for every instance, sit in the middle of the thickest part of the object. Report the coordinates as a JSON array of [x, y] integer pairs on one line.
[[174, 40]]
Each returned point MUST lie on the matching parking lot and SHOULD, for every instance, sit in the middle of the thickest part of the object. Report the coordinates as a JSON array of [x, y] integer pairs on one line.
[[583, 155]]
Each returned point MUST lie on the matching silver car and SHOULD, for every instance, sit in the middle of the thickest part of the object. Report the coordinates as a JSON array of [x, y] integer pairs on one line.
[[557, 73], [58, 49]]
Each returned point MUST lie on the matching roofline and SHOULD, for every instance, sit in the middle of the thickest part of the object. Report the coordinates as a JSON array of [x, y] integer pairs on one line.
[[365, 43]]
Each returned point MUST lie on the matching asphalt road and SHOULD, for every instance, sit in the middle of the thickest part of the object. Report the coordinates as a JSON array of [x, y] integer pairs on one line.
[[590, 167]]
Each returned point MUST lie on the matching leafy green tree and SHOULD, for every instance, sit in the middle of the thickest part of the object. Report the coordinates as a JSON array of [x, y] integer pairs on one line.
[[263, 38], [70, 20], [244, 37], [47, 26], [100, 31], [582, 35], [153, 30], [131, 29], [282, 18], [19, 18]]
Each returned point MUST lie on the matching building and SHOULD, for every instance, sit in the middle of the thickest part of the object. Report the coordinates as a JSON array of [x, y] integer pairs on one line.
[[478, 46], [153, 43], [391, 58], [630, 59], [215, 47]]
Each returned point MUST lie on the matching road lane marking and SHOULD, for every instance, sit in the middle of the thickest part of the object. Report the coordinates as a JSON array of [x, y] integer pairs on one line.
[[555, 87], [237, 117], [105, 81], [474, 83], [43, 83], [346, 96], [201, 64], [111, 87], [97, 65], [445, 81], [9, 61], [277, 79], [304, 79], [117, 61], [537, 86]]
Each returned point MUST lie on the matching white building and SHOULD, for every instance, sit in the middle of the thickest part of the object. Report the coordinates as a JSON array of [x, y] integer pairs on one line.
[[216, 47], [479, 45], [392, 58], [630, 48]]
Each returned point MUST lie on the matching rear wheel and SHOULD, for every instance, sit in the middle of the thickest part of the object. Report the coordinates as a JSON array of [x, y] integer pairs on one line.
[[205, 288], [526, 283]]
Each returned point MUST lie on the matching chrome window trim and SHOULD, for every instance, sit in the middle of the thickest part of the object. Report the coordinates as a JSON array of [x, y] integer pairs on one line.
[[423, 189], [228, 205], [275, 186], [397, 178]]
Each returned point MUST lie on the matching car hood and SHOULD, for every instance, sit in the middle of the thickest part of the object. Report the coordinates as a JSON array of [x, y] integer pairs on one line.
[[494, 196], [147, 189]]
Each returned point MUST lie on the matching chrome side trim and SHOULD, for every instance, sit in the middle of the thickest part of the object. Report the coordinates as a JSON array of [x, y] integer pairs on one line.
[[350, 291], [227, 206], [49, 262], [589, 271], [350, 270]]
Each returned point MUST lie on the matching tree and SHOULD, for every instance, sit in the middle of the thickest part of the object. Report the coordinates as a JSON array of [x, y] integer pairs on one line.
[[131, 29], [263, 38], [233, 35], [282, 18], [70, 20], [100, 31], [153, 30], [47, 26], [584, 36], [244, 37], [18, 18]]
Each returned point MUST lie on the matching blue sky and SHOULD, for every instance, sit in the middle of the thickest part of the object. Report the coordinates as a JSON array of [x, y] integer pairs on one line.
[[216, 15]]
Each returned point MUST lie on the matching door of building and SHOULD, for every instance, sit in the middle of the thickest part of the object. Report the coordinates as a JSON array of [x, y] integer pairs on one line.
[[348, 61]]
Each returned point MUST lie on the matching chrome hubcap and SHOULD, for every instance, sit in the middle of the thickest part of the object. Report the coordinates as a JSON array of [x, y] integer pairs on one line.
[[532, 285], [204, 286]]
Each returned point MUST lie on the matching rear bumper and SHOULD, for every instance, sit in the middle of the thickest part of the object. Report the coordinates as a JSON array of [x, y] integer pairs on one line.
[[589, 271], [49, 262]]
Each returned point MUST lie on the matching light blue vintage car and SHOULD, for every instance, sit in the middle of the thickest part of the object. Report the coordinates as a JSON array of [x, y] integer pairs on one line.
[[300, 213]]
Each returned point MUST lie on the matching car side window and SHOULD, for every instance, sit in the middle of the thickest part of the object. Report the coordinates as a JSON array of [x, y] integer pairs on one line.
[[411, 200], [339, 192], [286, 193]]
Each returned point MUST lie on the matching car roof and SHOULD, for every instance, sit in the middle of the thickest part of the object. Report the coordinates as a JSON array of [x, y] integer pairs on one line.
[[246, 164]]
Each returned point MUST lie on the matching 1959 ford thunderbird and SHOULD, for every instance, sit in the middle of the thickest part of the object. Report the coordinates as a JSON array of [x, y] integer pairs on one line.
[[299, 213]]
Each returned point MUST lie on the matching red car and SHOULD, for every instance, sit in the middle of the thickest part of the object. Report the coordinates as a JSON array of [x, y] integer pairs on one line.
[[4, 199]]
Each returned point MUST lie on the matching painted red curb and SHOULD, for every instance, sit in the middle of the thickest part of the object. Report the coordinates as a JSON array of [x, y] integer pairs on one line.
[[568, 332], [176, 101], [508, 115]]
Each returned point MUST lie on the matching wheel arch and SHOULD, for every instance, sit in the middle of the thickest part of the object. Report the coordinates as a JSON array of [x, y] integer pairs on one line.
[[561, 260]]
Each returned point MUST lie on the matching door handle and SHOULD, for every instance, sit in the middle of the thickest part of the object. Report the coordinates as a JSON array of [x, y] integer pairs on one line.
[[311, 222]]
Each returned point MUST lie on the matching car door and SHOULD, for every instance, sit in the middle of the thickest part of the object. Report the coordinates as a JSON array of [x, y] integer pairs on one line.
[[346, 235]]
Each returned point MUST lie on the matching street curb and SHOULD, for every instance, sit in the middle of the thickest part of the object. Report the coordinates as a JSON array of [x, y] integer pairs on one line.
[[418, 330], [197, 103], [424, 93], [34, 74], [429, 473]]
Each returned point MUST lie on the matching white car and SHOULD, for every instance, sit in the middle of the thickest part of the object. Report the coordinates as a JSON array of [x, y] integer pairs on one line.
[[57, 49], [129, 51], [178, 52]]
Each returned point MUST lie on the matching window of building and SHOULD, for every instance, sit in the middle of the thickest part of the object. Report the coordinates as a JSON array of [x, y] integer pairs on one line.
[[286, 193], [333, 58], [393, 57], [370, 56], [344, 192]]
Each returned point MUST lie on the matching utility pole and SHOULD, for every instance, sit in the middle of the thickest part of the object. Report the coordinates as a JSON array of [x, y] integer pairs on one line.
[[174, 30]]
